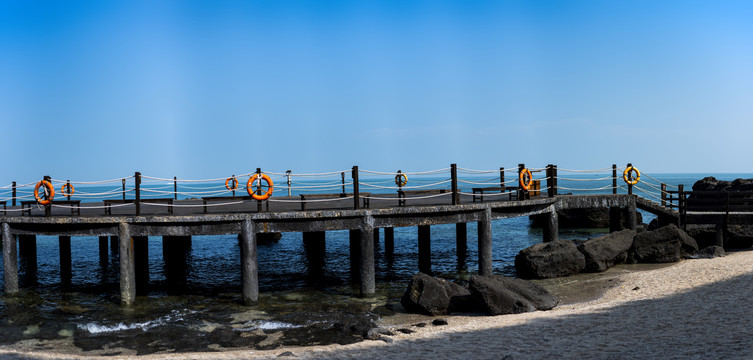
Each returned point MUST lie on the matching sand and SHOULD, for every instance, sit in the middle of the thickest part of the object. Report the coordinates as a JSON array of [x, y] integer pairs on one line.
[[695, 309]]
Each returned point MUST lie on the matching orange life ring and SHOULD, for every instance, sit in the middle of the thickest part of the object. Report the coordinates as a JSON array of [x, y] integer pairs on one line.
[[526, 185], [628, 177], [50, 192], [235, 183], [253, 193], [70, 187]]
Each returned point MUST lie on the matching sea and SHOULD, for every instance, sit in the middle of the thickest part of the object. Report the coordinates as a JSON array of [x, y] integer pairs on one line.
[[303, 301]]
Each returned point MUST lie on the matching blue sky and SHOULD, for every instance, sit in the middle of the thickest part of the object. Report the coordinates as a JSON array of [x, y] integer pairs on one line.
[[99, 89]]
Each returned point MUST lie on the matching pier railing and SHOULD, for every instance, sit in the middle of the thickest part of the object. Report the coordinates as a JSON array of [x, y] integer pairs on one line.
[[347, 188]]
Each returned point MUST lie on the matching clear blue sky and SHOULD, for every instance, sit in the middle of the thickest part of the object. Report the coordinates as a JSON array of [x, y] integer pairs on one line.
[[99, 89]]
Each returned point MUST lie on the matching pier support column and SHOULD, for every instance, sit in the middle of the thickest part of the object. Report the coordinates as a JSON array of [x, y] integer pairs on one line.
[[355, 255], [366, 263], [64, 243], [10, 261], [389, 244], [485, 243], [141, 260], [551, 227], [249, 268], [114, 246], [103, 257], [424, 249], [632, 216], [615, 219], [461, 237], [175, 252], [127, 265], [27, 248], [314, 244]]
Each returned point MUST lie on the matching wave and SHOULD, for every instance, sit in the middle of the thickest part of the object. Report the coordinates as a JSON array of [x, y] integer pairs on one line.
[[174, 316]]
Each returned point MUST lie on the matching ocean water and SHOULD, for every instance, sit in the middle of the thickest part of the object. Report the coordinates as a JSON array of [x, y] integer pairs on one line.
[[303, 300]]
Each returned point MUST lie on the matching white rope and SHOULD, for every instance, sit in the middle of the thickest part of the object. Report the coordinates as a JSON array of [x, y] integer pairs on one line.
[[719, 212], [475, 183], [331, 186], [596, 189], [488, 194], [94, 182], [88, 207], [586, 171], [599, 179], [648, 176], [407, 187], [310, 174], [408, 197], [312, 200], [405, 173], [478, 171]]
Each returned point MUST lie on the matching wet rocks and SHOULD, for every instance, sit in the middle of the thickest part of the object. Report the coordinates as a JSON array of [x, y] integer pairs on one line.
[[549, 260], [498, 295], [663, 245], [604, 252], [710, 183], [434, 296], [494, 295], [709, 253]]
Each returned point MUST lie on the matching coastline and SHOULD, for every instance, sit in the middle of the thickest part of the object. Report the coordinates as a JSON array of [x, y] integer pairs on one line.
[[690, 309]]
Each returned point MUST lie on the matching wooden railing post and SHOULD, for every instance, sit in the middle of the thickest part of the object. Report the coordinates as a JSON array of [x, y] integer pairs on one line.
[[258, 189], [630, 177], [356, 188], [290, 182], [614, 178], [502, 179], [48, 207], [342, 180], [137, 182], [521, 192], [124, 191], [175, 187], [551, 179], [663, 195], [454, 177], [681, 204], [14, 194], [68, 189]]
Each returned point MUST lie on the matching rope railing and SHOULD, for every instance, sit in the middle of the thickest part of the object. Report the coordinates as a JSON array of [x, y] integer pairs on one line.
[[463, 180]]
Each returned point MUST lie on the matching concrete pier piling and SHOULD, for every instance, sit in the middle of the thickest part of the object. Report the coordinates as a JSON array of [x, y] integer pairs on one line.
[[127, 265], [249, 266], [141, 262], [551, 227], [27, 249], [10, 261], [367, 271], [424, 249], [64, 243], [485, 243]]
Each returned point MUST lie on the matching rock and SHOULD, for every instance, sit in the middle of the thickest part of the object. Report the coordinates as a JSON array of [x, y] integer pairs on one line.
[[439, 322], [641, 228], [549, 260], [709, 253], [710, 183], [583, 218], [499, 295], [665, 244], [372, 334], [604, 252], [434, 296], [287, 354]]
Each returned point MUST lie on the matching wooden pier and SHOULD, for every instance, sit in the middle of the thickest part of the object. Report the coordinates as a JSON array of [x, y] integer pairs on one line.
[[131, 221]]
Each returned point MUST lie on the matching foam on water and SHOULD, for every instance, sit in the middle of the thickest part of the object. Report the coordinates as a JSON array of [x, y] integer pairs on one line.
[[174, 316], [268, 325]]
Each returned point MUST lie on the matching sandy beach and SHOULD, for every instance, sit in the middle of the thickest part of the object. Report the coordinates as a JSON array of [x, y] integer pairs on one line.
[[695, 309]]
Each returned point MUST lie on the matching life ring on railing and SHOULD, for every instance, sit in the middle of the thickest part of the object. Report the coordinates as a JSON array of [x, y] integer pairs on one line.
[[626, 175], [67, 189], [253, 193], [49, 192], [401, 179], [234, 182], [523, 183]]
